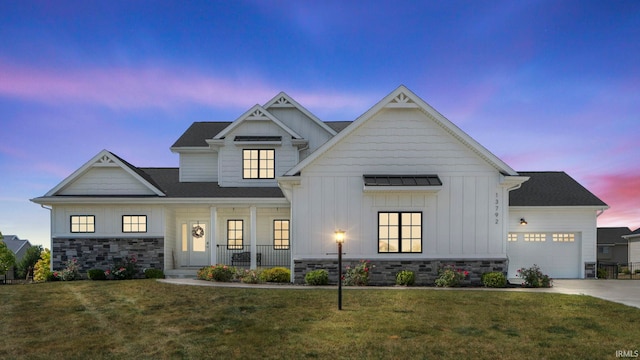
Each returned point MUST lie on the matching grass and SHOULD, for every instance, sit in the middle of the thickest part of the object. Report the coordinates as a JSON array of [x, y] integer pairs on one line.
[[147, 319]]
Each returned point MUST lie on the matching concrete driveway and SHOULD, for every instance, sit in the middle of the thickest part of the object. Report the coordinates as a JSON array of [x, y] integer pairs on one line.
[[621, 291]]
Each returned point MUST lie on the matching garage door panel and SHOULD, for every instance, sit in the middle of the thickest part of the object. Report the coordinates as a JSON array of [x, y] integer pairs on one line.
[[557, 254]]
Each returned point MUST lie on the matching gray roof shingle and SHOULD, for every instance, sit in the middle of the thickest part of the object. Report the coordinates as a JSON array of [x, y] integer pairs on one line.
[[552, 188], [612, 235], [168, 181]]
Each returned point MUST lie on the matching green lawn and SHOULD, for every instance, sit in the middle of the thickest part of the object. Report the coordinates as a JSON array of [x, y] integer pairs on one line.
[[147, 319]]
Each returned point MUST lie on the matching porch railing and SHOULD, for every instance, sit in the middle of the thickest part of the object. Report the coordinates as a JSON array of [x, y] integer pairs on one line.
[[267, 256]]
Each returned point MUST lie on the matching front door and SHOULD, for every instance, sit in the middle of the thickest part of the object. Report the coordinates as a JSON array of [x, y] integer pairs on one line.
[[196, 243]]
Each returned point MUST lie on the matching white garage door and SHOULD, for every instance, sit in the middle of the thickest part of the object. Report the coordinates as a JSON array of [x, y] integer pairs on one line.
[[557, 254]]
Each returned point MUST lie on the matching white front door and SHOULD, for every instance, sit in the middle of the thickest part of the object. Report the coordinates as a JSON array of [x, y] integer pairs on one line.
[[197, 244]]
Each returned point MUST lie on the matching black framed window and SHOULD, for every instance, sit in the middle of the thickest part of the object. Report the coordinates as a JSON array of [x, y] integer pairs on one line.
[[399, 232], [134, 223], [235, 234], [281, 234], [83, 223], [258, 164]]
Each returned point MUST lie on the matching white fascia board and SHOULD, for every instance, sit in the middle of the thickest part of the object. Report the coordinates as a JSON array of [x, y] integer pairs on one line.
[[89, 164], [274, 103], [402, 189], [191, 149], [248, 114], [562, 208], [161, 201], [386, 102]]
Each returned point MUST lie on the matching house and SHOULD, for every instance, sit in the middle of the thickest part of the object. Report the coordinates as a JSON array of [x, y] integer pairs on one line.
[[612, 246], [634, 248], [410, 188], [19, 248]]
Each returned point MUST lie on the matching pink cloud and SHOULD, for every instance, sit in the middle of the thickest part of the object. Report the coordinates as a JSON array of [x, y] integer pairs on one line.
[[622, 193], [149, 87]]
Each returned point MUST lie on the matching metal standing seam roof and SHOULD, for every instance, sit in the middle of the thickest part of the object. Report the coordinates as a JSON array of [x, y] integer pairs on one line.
[[552, 188], [402, 180]]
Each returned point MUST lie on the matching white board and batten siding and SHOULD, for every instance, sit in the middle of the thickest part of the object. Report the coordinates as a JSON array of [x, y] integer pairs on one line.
[[108, 220], [230, 155], [458, 221], [558, 259], [106, 181], [634, 250], [303, 125], [199, 166]]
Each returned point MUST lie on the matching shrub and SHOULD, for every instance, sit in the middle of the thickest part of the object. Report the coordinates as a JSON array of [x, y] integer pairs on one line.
[[357, 275], [405, 278], [276, 274], [125, 269], [603, 274], [625, 270], [70, 272], [152, 273], [42, 271], [494, 279], [636, 271], [449, 276], [96, 274], [222, 273], [533, 277], [317, 277], [249, 276]]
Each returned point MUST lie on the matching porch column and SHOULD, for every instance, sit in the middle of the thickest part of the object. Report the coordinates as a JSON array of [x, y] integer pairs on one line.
[[253, 233], [213, 248]]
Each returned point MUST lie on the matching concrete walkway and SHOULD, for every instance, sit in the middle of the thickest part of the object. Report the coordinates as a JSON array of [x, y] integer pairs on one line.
[[625, 292]]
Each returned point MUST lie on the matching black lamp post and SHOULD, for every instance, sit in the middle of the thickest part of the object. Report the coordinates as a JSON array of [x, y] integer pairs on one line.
[[339, 241]]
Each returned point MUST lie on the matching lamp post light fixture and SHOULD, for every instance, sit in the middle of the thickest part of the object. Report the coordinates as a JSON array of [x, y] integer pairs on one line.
[[339, 241]]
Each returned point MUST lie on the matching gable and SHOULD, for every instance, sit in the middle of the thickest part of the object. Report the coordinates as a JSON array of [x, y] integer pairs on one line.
[[106, 175], [403, 105], [257, 114]]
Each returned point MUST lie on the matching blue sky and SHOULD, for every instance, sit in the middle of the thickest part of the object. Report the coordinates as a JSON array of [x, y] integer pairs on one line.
[[544, 85]]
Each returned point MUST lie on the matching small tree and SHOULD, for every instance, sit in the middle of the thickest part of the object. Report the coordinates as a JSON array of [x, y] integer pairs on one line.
[[42, 271], [28, 261], [7, 259]]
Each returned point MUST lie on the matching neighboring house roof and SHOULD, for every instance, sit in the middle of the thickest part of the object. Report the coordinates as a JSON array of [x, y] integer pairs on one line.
[[552, 188], [169, 181], [634, 235], [612, 235], [16, 245]]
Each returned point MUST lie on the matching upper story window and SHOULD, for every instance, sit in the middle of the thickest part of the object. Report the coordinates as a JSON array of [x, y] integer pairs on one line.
[[400, 232], [83, 223], [258, 164], [134, 223]]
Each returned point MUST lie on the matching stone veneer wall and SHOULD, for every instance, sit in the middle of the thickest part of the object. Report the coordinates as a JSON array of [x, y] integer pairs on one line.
[[590, 270], [383, 272], [103, 253]]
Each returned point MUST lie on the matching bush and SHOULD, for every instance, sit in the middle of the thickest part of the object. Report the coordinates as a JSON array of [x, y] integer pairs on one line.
[[449, 276], [357, 275], [29, 260], [276, 274], [152, 273], [603, 274], [625, 270], [249, 276], [494, 279], [534, 278], [42, 271], [317, 277], [125, 269], [405, 278], [636, 271], [96, 274], [70, 272], [222, 273]]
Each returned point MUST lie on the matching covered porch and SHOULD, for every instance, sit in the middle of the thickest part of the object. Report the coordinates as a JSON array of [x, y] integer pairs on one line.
[[249, 236]]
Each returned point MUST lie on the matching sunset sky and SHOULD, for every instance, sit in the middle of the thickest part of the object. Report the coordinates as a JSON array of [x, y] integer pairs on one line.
[[544, 85]]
